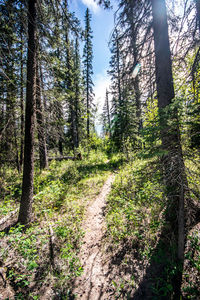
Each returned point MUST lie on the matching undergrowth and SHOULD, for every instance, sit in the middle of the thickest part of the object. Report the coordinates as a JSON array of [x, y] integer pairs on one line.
[[43, 260], [137, 236]]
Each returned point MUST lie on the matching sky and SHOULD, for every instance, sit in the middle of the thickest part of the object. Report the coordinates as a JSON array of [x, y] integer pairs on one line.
[[102, 24]]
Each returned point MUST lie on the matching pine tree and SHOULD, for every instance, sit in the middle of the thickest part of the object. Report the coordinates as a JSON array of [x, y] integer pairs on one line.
[[115, 73], [88, 70], [40, 122], [173, 164], [8, 81], [78, 93], [106, 116], [25, 213]]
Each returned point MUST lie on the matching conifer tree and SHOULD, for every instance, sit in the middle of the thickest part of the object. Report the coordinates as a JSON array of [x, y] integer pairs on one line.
[[88, 70], [78, 93], [173, 164], [25, 213], [106, 116], [8, 80], [40, 122], [117, 101]]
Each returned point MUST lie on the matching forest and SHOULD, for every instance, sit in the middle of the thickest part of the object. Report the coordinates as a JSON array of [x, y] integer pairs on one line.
[[100, 214]]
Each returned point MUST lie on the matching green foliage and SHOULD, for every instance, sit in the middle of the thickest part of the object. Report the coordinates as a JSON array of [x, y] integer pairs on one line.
[[192, 269], [61, 196], [136, 196], [10, 190]]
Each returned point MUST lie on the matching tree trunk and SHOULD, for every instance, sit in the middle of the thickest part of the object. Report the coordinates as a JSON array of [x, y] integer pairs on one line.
[[135, 56], [21, 100], [88, 110], [25, 213], [173, 164], [77, 90], [40, 124]]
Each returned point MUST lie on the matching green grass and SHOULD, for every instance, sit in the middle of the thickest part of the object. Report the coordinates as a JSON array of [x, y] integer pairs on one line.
[[61, 195], [137, 232], [134, 216], [135, 202]]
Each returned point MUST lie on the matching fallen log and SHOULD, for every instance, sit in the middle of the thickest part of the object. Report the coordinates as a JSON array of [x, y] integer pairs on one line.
[[8, 217]]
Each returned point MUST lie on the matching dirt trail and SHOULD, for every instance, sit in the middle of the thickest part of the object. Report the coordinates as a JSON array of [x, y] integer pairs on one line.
[[93, 284]]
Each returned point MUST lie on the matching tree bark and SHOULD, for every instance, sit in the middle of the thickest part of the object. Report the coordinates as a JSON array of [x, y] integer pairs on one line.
[[173, 163], [77, 90], [25, 213], [21, 100]]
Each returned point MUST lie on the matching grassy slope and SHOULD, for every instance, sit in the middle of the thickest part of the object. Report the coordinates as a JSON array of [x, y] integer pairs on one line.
[[135, 233]]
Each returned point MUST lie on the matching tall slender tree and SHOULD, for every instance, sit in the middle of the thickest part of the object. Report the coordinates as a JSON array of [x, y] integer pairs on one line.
[[25, 212], [40, 122], [106, 116], [88, 69], [21, 88], [78, 96], [173, 164], [116, 75]]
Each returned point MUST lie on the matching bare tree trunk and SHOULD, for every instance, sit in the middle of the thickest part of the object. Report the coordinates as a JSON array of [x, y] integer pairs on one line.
[[40, 124], [25, 213]]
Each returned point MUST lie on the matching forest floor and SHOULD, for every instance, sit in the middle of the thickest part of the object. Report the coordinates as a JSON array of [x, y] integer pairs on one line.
[[98, 233], [93, 284]]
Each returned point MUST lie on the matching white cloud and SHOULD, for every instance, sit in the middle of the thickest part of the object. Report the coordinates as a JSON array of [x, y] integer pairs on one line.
[[92, 5]]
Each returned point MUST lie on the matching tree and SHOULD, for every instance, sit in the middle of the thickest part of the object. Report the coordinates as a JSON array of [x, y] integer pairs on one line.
[[106, 116], [21, 87], [8, 81], [173, 164], [40, 123], [116, 76], [88, 70], [78, 93], [25, 212]]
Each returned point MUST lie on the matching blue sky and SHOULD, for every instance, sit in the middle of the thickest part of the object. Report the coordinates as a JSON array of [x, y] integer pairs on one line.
[[102, 26]]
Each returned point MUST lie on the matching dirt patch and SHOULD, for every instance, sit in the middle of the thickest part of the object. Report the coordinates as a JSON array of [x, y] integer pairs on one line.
[[94, 282]]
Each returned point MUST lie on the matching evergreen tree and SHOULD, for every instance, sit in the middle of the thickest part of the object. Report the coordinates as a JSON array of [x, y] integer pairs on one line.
[[173, 164], [115, 73], [106, 116], [25, 213], [40, 122], [78, 94], [8, 81], [124, 120], [88, 70]]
